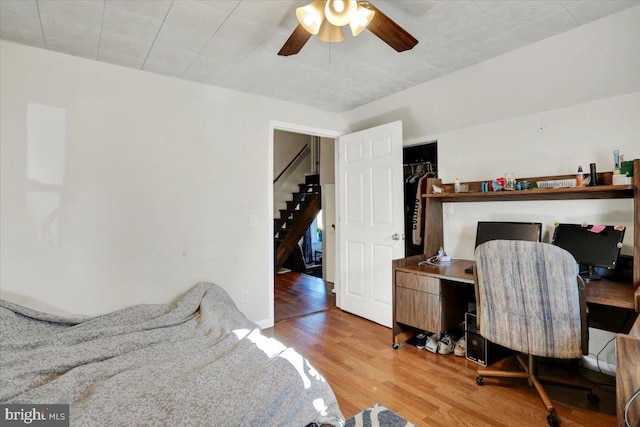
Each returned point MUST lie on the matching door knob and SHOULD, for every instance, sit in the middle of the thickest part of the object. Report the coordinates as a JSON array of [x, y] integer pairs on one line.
[[395, 236]]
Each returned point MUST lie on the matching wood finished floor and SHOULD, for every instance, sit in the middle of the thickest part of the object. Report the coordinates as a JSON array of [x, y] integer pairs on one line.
[[356, 358], [297, 294]]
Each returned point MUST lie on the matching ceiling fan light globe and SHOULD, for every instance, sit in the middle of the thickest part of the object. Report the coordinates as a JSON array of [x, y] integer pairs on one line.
[[361, 19], [311, 16], [330, 33], [340, 12]]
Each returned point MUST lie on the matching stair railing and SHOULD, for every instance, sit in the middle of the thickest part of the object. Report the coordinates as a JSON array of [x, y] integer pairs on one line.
[[296, 157]]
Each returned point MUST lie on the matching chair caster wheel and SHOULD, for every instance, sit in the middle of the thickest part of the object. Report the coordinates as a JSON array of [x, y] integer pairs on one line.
[[395, 346], [552, 420], [479, 380], [593, 398]]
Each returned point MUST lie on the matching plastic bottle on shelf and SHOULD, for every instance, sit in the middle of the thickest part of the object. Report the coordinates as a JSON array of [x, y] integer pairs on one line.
[[456, 186], [580, 176]]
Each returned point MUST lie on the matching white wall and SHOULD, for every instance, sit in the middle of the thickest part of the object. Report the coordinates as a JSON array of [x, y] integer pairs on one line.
[[540, 110], [594, 61], [120, 186], [572, 136]]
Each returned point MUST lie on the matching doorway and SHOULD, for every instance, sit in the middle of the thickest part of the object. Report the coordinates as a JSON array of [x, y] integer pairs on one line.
[[419, 162], [297, 293]]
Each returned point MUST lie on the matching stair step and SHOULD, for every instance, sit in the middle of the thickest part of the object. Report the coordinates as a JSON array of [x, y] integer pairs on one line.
[[299, 205], [298, 197], [279, 223], [309, 188], [312, 179], [281, 234], [295, 205], [286, 214]]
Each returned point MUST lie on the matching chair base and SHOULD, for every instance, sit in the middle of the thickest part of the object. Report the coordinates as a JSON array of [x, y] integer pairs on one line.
[[535, 380]]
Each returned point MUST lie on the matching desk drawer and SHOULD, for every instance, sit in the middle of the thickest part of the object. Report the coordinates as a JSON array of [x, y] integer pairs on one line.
[[418, 282], [418, 309]]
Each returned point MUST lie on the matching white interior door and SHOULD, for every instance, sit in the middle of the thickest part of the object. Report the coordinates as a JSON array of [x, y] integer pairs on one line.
[[370, 219]]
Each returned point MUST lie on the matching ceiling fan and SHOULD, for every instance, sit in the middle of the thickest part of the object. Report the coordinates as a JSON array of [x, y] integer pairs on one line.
[[324, 18]]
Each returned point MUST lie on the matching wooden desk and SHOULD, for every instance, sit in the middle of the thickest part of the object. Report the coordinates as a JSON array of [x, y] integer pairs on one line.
[[434, 298], [439, 285], [611, 293], [453, 271], [428, 297], [605, 292], [411, 280]]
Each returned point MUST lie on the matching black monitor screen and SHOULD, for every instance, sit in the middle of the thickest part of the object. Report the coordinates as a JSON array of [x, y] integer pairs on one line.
[[595, 246], [493, 230]]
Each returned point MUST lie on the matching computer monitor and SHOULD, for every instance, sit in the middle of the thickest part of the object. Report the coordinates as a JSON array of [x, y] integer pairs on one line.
[[501, 230], [591, 246], [497, 230]]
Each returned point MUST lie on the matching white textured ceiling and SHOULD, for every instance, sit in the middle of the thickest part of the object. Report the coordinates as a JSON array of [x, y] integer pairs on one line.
[[234, 43]]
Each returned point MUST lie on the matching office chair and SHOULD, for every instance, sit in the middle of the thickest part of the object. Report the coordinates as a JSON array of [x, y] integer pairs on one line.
[[530, 299]]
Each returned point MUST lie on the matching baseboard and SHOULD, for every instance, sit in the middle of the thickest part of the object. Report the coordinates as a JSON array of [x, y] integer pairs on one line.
[[264, 323], [590, 362]]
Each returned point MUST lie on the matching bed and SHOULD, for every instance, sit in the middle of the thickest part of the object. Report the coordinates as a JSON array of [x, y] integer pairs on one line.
[[198, 361]]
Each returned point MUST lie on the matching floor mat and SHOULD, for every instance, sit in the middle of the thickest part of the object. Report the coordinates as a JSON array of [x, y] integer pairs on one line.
[[377, 416]]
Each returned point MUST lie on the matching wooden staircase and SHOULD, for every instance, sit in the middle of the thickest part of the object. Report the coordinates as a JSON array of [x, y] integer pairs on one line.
[[296, 218]]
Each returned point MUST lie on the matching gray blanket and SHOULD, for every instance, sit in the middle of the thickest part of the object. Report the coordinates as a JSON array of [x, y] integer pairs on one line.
[[198, 362]]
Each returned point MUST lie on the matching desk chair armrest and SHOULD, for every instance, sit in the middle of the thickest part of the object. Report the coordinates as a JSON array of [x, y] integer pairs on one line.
[[584, 336], [475, 288]]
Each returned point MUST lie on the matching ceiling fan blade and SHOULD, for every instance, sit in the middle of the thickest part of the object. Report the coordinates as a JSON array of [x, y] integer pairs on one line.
[[388, 31], [296, 40]]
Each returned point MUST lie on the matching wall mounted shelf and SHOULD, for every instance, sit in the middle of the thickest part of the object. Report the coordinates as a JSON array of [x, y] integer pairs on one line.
[[433, 237], [597, 192]]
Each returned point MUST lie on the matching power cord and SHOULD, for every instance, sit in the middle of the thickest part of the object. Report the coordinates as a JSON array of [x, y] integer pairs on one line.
[[626, 408], [609, 342], [598, 355], [610, 384], [607, 384], [601, 350], [439, 259]]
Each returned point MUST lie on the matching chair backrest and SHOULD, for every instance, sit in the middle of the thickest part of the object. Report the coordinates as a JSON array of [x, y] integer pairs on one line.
[[527, 298]]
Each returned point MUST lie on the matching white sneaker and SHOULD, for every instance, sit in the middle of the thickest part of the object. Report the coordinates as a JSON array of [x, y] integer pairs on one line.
[[461, 347], [432, 343], [445, 346]]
